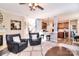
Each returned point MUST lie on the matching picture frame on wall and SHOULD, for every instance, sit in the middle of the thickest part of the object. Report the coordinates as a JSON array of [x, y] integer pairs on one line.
[[74, 27], [15, 25], [1, 18]]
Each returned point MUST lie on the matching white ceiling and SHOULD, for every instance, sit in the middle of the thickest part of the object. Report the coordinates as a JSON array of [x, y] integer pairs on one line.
[[50, 9]]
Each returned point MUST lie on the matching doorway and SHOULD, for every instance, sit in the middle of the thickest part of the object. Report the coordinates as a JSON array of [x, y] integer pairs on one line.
[[63, 32]]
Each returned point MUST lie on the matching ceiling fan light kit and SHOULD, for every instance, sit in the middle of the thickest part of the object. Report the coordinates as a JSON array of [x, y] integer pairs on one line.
[[33, 6]]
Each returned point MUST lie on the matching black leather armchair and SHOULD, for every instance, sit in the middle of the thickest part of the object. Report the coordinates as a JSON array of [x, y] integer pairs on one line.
[[14, 46], [36, 41]]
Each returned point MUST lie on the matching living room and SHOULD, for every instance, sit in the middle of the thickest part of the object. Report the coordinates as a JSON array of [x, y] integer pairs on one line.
[[51, 22]]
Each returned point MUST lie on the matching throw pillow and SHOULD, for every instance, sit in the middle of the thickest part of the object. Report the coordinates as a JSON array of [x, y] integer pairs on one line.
[[16, 39], [34, 37]]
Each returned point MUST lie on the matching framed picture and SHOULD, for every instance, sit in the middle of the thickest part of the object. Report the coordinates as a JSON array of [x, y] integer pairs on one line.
[[1, 18], [74, 27], [15, 25]]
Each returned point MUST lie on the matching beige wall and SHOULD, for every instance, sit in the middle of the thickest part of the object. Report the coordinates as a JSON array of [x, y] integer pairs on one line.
[[7, 17], [78, 27]]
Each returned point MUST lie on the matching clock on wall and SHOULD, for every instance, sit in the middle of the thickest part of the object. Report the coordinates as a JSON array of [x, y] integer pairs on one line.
[[1, 18]]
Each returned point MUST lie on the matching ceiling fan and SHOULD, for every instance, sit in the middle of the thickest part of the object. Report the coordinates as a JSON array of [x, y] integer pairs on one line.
[[33, 6]]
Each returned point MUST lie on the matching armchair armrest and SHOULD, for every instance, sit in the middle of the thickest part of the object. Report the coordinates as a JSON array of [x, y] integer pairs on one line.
[[39, 38], [24, 40]]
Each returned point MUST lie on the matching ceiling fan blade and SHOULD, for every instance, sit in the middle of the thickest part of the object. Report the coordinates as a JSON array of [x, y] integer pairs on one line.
[[40, 7], [22, 3]]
